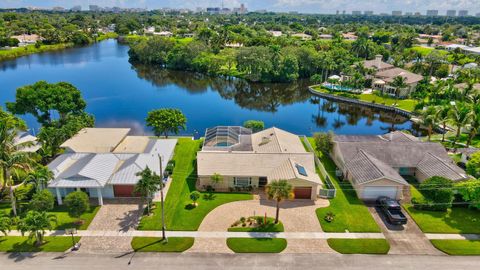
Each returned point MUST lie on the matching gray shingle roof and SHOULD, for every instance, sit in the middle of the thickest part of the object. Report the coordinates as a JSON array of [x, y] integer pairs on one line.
[[432, 165]]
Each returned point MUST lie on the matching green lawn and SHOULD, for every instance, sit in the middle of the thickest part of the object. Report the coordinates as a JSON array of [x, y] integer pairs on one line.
[[458, 247], [257, 245], [64, 220], [23, 244], [179, 215], [455, 220], [350, 212], [270, 227], [30, 49], [359, 246], [155, 244]]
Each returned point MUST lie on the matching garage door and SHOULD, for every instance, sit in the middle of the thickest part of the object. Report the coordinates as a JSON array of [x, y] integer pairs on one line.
[[123, 190], [303, 192], [372, 193]]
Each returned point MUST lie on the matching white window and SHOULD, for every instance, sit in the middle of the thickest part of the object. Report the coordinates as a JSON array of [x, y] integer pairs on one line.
[[242, 181]]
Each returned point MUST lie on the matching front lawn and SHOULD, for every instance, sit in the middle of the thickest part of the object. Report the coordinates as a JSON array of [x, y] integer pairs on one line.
[[458, 247], [156, 244], [454, 220], [359, 246], [23, 244], [257, 245], [350, 212], [269, 227], [179, 213]]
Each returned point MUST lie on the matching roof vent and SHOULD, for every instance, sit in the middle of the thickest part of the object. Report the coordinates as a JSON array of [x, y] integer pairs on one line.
[[265, 140]]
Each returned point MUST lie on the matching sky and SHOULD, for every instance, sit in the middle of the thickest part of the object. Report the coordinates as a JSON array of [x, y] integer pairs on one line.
[[305, 6]]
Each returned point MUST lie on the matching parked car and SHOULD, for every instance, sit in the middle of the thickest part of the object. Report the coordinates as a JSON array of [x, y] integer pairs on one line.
[[392, 211]]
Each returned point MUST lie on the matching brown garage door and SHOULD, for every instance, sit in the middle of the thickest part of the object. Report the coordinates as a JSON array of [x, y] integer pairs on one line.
[[123, 190], [303, 192]]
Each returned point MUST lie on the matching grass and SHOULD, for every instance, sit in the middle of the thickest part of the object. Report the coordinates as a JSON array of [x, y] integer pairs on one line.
[[256, 245], [30, 49], [64, 220], [450, 137], [350, 212], [23, 244], [105, 36], [359, 246], [156, 244], [458, 247], [270, 227], [179, 215], [454, 220]]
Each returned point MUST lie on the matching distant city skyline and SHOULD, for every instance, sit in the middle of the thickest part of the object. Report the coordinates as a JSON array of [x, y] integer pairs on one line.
[[304, 6]]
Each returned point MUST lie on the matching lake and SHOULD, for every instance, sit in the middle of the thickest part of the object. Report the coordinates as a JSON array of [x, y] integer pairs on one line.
[[119, 94]]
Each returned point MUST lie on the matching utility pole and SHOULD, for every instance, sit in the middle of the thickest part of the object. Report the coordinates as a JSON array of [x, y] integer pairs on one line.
[[161, 199]]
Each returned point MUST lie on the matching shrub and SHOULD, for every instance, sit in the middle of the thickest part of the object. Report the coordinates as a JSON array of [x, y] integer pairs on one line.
[[329, 217], [42, 201], [194, 196], [77, 203], [254, 125], [438, 193], [473, 165], [323, 141]]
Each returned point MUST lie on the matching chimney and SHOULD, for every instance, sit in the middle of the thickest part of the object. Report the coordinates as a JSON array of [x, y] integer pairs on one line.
[[378, 60]]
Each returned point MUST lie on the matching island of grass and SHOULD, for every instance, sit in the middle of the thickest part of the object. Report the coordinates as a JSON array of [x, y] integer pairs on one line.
[[156, 244], [256, 224], [458, 247], [257, 245], [24, 244], [359, 246], [350, 213], [179, 213]]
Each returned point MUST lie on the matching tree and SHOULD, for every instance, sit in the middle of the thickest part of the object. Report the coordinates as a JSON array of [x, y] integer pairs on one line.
[[474, 124], [429, 119], [12, 158], [5, 225], [194, 196], [40, 176], [438, 192], [77, 203], [166, 120], [460, 116], [399, 82], [147, 185], [324, 141], [473, 165], [279, 190], [35, 223], [43, 99], [470, 191], [216, 178], [443, 116], [42, 201], [254, 125]]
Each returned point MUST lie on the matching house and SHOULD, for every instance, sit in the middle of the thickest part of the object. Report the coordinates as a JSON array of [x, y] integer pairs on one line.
[[466, 154], [376, 165], [276, 33], [163, 33], [31, 144], [104, 162], [26, 39], [349, 36], [385, 75], [472, 50], [246, 159], [325, 36], [302, 36]]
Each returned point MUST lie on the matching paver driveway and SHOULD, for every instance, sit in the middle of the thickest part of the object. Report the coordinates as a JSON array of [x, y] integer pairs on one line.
[[406, 239], [119, 215]]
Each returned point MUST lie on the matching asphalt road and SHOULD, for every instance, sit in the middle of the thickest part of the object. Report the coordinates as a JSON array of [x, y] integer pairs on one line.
[[52, 261]]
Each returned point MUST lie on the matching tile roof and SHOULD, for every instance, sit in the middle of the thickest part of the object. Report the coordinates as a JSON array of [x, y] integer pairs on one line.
[[390, 74], [275, 140], [96, 140], [432, 165]]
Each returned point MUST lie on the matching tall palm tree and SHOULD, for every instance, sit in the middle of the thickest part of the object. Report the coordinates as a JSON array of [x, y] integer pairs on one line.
[[460, 115], [40, 176], [11, 156], [148, 184], [399, 83], [474, 124], [36, 223], [429, 119], [443, 116], [279, 190]]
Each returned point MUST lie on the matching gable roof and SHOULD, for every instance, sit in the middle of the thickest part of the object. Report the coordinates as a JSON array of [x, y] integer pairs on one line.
[[432, 165], [275, 140], [96, 140], [374, 63], [288, 171]]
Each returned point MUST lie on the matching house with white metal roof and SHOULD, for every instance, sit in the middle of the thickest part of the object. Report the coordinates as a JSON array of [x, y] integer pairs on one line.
[[246, 159], [104, 162]]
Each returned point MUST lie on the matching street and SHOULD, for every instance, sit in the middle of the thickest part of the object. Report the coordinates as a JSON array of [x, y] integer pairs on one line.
[[77, 261]]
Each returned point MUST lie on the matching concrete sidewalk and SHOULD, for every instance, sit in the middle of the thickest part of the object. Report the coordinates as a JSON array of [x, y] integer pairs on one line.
[[432, 236]]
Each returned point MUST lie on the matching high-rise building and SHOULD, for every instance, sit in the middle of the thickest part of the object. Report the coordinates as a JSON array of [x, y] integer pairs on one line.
[[408, 13], [94, 8], [432, 12], [58, 9], [478, 14], [356, 12], [368, 13], [462, 13], [76, 8], [397, 13], [451, 13]]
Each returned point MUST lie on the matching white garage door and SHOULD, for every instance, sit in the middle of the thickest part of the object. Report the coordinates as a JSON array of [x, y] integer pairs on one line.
[[372, 193]]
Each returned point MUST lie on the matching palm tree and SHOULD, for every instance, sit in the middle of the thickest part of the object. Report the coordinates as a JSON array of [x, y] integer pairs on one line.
[[460, 115], [443, 116], [148, 184], [11, 156], [474, 124], [40, 176], [36, 223], [279, 190], [399, 82], [429, 119], [216, 178]]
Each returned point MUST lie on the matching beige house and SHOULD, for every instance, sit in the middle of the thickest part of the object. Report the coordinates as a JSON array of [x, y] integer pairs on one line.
[[385, 75], [376, 165], [251, 160]]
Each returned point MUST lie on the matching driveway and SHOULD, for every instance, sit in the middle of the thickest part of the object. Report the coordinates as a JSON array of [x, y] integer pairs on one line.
[[115, 215], [406, 239]]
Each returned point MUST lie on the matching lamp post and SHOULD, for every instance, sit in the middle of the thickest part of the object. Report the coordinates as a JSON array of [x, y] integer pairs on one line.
[[161, 200]]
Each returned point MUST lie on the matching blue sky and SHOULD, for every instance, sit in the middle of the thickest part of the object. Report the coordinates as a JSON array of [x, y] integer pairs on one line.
[[309, 6]]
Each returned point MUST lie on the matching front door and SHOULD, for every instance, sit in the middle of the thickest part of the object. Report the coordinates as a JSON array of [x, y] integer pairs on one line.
[[262, 181]]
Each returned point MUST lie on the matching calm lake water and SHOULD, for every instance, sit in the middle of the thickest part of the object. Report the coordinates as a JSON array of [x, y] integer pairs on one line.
[[120, 95]]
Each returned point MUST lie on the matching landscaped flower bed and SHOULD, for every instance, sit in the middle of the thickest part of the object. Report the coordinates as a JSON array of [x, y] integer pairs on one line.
[[256, 224]]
